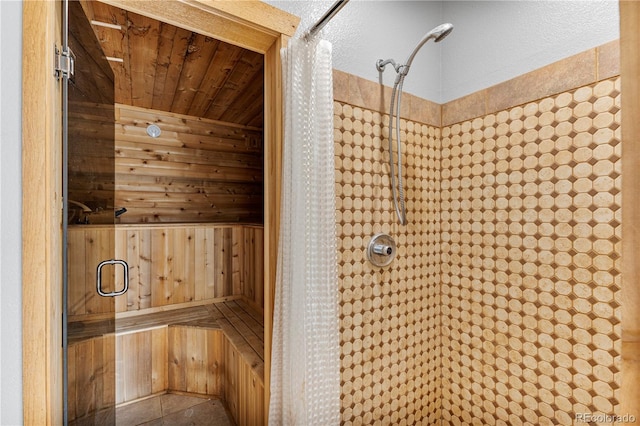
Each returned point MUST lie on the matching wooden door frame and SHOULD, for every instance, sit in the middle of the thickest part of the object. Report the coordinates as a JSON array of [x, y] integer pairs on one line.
[[630, 98], [250, 24]]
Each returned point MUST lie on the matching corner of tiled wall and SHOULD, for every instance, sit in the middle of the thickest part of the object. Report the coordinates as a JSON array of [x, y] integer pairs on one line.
[[390, 328], [531, 221], [502, 307]]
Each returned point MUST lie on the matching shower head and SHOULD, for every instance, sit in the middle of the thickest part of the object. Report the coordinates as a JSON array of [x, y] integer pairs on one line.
[[441, 31], [438, 34]]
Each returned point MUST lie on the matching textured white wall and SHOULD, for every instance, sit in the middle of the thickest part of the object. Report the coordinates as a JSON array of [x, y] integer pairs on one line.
[[365, 31], [10, 213], [493, 41]]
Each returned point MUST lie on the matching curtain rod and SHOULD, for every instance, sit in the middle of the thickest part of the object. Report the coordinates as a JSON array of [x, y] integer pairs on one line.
[[329, 14]]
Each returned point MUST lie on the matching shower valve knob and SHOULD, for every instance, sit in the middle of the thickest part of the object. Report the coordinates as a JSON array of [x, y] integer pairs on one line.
[[381, 250]]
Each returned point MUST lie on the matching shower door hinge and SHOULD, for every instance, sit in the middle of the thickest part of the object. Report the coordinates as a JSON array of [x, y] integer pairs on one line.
[[64, 63]]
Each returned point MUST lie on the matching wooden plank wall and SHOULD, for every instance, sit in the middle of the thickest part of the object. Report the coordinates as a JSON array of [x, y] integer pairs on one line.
[[141, 364], [147, 362], [244, 390], [196, 360], [253, 264], [91, 161], [198, 170], [91, 377], [91, 123], [176, 358], [168, 264], [252, 409]]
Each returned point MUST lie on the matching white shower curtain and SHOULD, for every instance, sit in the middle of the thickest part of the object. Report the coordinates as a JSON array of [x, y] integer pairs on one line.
[[305, 356]]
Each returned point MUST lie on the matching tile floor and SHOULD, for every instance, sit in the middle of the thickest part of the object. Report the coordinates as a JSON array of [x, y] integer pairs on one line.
[[172, 409]]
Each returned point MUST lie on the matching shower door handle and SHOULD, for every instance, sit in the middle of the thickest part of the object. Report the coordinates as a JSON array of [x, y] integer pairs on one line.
[[125, 267]]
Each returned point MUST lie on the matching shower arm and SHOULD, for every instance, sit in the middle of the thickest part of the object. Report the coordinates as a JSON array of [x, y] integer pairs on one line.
[[381, 64], [401, 69]]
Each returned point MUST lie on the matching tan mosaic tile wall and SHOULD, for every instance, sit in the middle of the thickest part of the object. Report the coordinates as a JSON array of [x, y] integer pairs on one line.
[[390, 317], [503, 307], [530, 216]]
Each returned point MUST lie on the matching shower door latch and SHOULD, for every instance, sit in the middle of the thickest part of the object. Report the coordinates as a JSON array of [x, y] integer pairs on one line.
[[125, 267]]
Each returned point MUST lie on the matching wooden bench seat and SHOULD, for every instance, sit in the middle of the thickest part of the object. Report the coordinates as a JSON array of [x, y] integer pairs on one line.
[[82, 330], [240, 323], [244, 328]]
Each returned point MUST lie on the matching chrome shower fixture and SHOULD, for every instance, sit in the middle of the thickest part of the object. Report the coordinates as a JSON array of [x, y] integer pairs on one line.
[[381, 250], [438, 34]]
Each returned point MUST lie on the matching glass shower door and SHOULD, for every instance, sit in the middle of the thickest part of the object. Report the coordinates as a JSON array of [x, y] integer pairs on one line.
[[92, 276]]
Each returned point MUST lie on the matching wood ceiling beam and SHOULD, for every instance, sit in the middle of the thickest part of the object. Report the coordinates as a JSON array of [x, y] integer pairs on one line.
[[223, 20]]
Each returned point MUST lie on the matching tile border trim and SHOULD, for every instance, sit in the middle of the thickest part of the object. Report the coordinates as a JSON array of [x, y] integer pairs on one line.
[[588, 67]]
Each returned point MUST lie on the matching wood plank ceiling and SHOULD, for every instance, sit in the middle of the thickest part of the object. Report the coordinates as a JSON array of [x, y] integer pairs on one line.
[[163, 67]]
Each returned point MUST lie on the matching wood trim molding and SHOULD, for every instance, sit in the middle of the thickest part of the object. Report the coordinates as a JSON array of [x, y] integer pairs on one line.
[[630, 76], [41, 217], [273, 136], [219, 19], [246, 24], [278, 22]]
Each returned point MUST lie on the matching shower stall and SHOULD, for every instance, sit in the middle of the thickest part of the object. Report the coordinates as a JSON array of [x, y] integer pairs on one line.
[[502, 305], [504, 302]]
